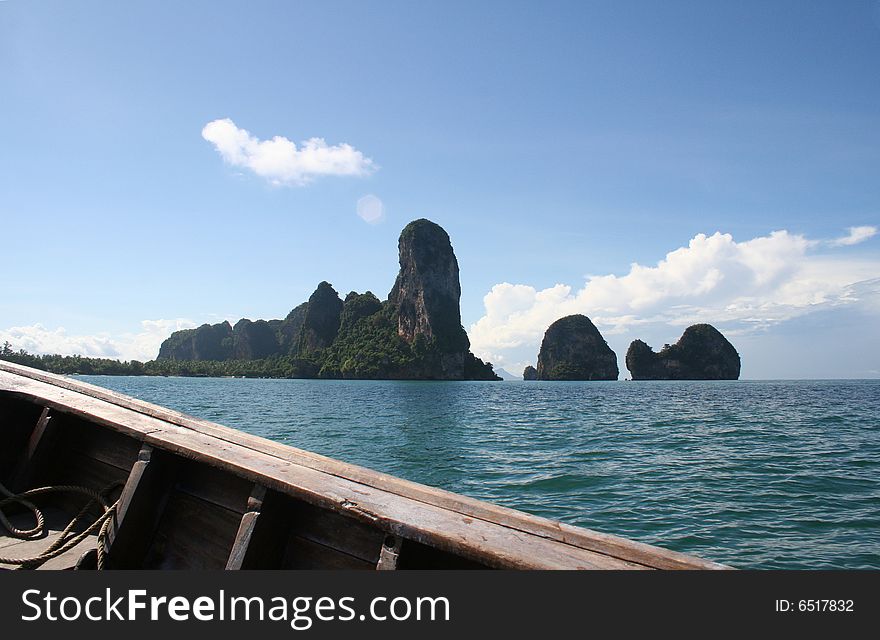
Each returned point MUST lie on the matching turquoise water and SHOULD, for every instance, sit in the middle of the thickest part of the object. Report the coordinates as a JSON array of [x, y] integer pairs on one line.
[[755, 474]]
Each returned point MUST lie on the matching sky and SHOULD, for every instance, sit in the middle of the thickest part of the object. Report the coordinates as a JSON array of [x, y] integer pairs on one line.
[[651, 165]]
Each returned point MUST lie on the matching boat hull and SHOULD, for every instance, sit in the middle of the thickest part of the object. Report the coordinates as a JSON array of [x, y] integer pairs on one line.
[[191, 494]]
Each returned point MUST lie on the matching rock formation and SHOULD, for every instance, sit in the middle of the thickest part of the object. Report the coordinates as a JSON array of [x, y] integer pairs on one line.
[[289, 328], [427, 293], [415, 334], [702, 353], [530, 373], [207, 342], [321, 322], [253, 340], [573, 349]]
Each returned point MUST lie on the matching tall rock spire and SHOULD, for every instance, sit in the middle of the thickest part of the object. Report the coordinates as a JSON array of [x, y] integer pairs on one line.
[[427, 290]]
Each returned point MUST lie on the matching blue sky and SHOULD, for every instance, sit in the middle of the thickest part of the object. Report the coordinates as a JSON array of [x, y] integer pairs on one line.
[[555, 141]]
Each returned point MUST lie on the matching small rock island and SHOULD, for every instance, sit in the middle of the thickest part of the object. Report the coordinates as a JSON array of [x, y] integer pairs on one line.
[[416, 334], [573, 349], [702, 353]]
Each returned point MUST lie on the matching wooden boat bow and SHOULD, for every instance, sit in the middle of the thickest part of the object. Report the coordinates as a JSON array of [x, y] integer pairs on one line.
[[200, 495]]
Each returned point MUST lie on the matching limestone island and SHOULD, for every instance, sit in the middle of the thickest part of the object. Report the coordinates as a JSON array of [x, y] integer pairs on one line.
[[702, 353], [416, 334], [573, 349]]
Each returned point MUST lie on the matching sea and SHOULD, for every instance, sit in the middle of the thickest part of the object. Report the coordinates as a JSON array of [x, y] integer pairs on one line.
[[754, 474]]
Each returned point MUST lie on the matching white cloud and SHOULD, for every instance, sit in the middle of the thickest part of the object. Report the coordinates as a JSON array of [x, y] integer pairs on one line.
[[142, 345], [740, 286], [38, 339], [370, 209], [279, 160], [855, 236]]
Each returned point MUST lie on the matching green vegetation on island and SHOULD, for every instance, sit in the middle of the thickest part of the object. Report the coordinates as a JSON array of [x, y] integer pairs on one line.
[[276, 367], [416, 334]]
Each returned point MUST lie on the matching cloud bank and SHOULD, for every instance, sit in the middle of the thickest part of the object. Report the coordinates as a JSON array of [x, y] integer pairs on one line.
[[142, 345], [281, 161], [741, 287]]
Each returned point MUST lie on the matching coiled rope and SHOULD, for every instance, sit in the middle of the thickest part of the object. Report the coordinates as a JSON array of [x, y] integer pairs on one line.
[[69, 538]]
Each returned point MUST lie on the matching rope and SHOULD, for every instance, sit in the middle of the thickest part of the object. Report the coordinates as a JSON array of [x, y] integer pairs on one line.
[[68, 539]]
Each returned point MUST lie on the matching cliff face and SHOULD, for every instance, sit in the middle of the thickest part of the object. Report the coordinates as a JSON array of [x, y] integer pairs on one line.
[[702, 353], [427, 294], [321, 321], [207, 342], [253, 340], [309, 327], [289, 328], [573, 349], [415, 334], [530, 373]]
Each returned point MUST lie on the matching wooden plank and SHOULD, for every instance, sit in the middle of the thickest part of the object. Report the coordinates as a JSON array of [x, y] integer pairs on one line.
[[73, 468], [8, 541], [242, 542], [141, 505], [389, 554], [594, 549], [39, 444], [269, 532], [306, 554], [133, 484], [38, 433], [110, 447], [21, 520], [19, 419], [13, 546], [246, 529], [69, 559], [212, 485], [66, 560], [339, 531], [192, 534]]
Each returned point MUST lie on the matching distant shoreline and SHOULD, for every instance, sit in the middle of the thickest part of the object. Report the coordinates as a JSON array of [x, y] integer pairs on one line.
[[250, 369], [276, 368]]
